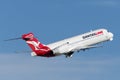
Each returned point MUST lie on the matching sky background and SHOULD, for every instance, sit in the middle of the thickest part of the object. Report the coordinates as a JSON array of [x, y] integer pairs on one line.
[[54, 20]]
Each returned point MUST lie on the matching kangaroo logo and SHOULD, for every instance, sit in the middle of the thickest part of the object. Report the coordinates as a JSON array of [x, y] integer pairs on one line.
[[35, 44]]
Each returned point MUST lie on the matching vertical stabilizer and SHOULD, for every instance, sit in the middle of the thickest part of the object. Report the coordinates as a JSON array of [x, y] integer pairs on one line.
[[36, 46]]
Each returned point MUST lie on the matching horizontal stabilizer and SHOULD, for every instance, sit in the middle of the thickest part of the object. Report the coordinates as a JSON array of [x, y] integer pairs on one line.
[[13, 39]]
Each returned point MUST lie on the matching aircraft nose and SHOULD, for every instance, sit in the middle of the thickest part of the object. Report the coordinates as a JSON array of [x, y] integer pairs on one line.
[[111, 36]]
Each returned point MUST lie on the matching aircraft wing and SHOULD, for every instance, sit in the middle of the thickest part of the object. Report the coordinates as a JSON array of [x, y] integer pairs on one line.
[[78, 48]]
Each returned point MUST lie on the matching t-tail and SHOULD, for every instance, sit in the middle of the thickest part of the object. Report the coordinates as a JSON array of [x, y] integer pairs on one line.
[[37, 47]]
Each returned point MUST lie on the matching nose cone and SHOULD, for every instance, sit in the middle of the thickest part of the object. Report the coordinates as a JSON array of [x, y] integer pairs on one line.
[[111, 36]]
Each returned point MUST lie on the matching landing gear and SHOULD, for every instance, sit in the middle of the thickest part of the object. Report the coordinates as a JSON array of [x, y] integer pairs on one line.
[[68, 54]]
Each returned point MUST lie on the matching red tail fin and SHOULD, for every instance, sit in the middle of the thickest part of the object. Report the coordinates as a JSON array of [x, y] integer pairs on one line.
[[32, 41], [37, 47]]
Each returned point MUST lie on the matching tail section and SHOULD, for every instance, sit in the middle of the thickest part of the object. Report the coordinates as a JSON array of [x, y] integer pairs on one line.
[[37, 47], [33, 43]]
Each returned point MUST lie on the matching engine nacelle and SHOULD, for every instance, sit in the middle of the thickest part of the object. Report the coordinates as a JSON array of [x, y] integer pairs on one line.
[[61, 50]]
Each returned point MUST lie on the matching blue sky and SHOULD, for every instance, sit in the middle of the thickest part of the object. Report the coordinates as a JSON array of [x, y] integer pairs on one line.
[[53, 20]]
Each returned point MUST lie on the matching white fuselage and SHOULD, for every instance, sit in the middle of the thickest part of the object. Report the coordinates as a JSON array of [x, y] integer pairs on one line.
[[80, 42]]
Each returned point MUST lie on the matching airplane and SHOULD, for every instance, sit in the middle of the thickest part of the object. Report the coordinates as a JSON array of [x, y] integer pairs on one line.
[[67, 46]]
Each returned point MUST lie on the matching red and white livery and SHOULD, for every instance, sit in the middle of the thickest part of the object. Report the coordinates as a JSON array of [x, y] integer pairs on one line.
[[67, 46]]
